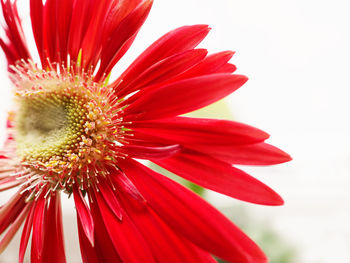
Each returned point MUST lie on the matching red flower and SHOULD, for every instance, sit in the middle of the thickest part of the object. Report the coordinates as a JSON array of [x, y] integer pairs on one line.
[[72, 132]]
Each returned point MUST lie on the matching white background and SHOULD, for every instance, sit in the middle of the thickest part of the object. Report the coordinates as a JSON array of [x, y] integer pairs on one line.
[[297, 56]]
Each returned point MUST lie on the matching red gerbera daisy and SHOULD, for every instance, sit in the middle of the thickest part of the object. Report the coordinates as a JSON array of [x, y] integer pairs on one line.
[[74, 132]]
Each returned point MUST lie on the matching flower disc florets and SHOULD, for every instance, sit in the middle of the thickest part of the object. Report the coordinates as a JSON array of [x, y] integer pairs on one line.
[[66, 129]]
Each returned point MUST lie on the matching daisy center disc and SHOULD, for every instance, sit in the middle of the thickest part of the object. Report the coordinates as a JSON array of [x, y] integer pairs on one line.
[[65, 126], [49, 125]]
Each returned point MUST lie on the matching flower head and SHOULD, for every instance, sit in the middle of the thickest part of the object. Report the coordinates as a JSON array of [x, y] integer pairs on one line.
[[75, 132]]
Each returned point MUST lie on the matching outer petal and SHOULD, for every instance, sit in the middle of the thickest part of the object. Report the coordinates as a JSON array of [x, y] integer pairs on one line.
[[166, 245], [109, 197], [64, 10], [6, 239], [165, 70], [220, 177], [50, 33], [196, 131], [27, 229], [254, 154], [126, 30], [53, 250], [210, 65], [126, 239], [88, 252], [37, 17], [84, 215], [103, 249], [16, 49], [38, 230], [92, 38], [81, 18], [189, 215], [176, 41], [11, 210], [182, 97], [144, 152]]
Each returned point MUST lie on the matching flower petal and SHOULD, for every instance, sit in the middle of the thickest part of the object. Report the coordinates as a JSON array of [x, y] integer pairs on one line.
[[38, 230], [144, 152], [11, 210], [110, 199], [80, 20], [84, 214], [103, 250], [16, 48], [253, 154], [49, 27], [166, 245], [210, 65], [182, 97], [6, 239], [127, 28], [190, 215], [220, 177], [198, 131], [174, 42], [124, 235], [36, 14], [53, 250], [164, 70], [27, 229], [64, 10], [92, 38], [88, 253]]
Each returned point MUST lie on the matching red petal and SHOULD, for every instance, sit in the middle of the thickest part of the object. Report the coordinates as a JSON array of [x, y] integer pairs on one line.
[[53, 250], [9, 53], [165, 70], [92, 39], [103, 250], [129, 188], [111, 200], [144, 152], [124, 235], [6, 239], [64, 16], [165, 244], [119, 10], [174, 42], [88, 252], [183, 96], [50, 38], [127, 28], [192, 217], [228, 68], [84, 214], [36, 14], [38, 230], [11, 210], [254, 154], [220, 177], [14, 32], [81, 18], [27, 229], [210, 65], [197, 131], [8, 183]]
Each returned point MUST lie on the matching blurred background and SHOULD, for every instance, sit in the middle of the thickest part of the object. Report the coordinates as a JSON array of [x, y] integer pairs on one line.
[[297, 56]]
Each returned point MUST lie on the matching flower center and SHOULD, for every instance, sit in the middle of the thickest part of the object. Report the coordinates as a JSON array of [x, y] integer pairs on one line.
[[48, 125], [66, 127]]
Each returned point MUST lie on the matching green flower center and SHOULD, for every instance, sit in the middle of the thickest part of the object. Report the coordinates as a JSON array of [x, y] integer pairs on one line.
[[49, 124]]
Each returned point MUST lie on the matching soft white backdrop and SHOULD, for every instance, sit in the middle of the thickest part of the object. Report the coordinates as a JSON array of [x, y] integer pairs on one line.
[[297, 56]]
